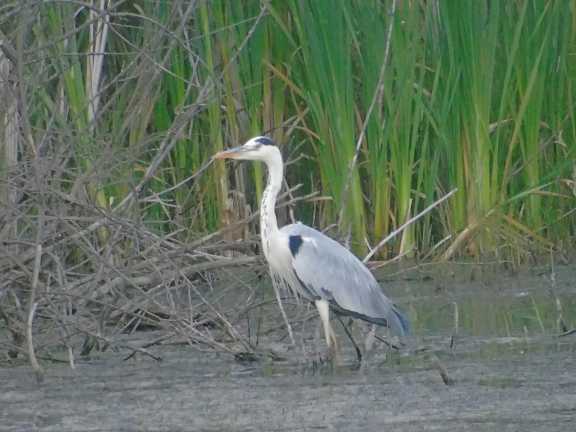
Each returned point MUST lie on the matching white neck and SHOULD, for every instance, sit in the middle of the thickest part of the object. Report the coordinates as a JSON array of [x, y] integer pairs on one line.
[[268, 222]]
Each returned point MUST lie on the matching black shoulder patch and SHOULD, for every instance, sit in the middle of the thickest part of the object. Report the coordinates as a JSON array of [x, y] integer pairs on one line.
[[295, 242], [265, 141]]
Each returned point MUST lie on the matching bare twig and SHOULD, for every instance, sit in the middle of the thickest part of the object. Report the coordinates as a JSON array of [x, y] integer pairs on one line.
[[407, 223]]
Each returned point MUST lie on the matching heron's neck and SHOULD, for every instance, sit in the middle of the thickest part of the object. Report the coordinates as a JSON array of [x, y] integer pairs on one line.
[[268, 222]]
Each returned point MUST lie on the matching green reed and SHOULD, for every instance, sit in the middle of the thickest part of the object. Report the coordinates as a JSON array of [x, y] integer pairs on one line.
[[477, 95]]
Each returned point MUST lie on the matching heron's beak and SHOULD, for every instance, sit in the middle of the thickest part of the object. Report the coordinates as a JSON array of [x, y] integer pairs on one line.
[[233, 153]]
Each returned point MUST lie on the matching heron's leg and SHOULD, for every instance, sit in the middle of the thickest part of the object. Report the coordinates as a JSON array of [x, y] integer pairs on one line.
[[349, 334], [324, 312], [370, 337], [369, 344]]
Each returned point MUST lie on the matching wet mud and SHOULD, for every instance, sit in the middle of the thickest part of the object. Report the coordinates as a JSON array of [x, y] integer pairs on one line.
[[496, 337]]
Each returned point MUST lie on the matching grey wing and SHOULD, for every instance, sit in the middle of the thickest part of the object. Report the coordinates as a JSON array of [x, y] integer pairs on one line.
[[330, 271]]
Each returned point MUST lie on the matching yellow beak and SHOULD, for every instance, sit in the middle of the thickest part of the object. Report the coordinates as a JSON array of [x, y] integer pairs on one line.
[[228, 154]]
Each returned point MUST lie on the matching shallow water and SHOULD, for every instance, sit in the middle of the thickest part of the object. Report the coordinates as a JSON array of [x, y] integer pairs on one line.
[[496, 337]]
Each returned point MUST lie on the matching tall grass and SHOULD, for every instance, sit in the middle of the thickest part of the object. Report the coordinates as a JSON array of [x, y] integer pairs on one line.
[[477, 95], [324, 73], [495, 60]]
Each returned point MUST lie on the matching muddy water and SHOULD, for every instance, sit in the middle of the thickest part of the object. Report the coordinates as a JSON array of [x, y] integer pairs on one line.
[[496, 337]]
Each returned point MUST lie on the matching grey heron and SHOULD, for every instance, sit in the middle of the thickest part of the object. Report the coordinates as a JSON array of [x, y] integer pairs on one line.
[[309, 263]]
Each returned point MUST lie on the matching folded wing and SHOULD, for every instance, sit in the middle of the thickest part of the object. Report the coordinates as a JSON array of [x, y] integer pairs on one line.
[[329, 271]]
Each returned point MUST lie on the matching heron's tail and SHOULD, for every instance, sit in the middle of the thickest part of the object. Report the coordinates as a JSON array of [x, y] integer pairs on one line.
[[401, 325]]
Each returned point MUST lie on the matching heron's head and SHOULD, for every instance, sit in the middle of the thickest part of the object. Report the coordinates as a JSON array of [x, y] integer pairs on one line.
[[259, 148]]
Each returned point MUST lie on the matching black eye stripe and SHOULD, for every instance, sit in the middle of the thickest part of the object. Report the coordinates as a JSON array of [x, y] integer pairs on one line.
[[264, 141]]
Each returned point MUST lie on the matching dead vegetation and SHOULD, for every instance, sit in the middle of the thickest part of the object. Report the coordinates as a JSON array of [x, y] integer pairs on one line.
[[75, 277]]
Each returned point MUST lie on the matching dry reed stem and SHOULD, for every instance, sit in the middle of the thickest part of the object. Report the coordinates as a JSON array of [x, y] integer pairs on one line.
[[39, 372]]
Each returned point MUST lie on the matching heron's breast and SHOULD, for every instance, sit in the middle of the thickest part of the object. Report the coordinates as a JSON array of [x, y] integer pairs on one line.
[[277, 252]]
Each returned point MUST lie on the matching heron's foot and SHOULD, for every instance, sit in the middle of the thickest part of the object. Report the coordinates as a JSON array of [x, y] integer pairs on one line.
[[327, 351], [325, 357], [331, 354]]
